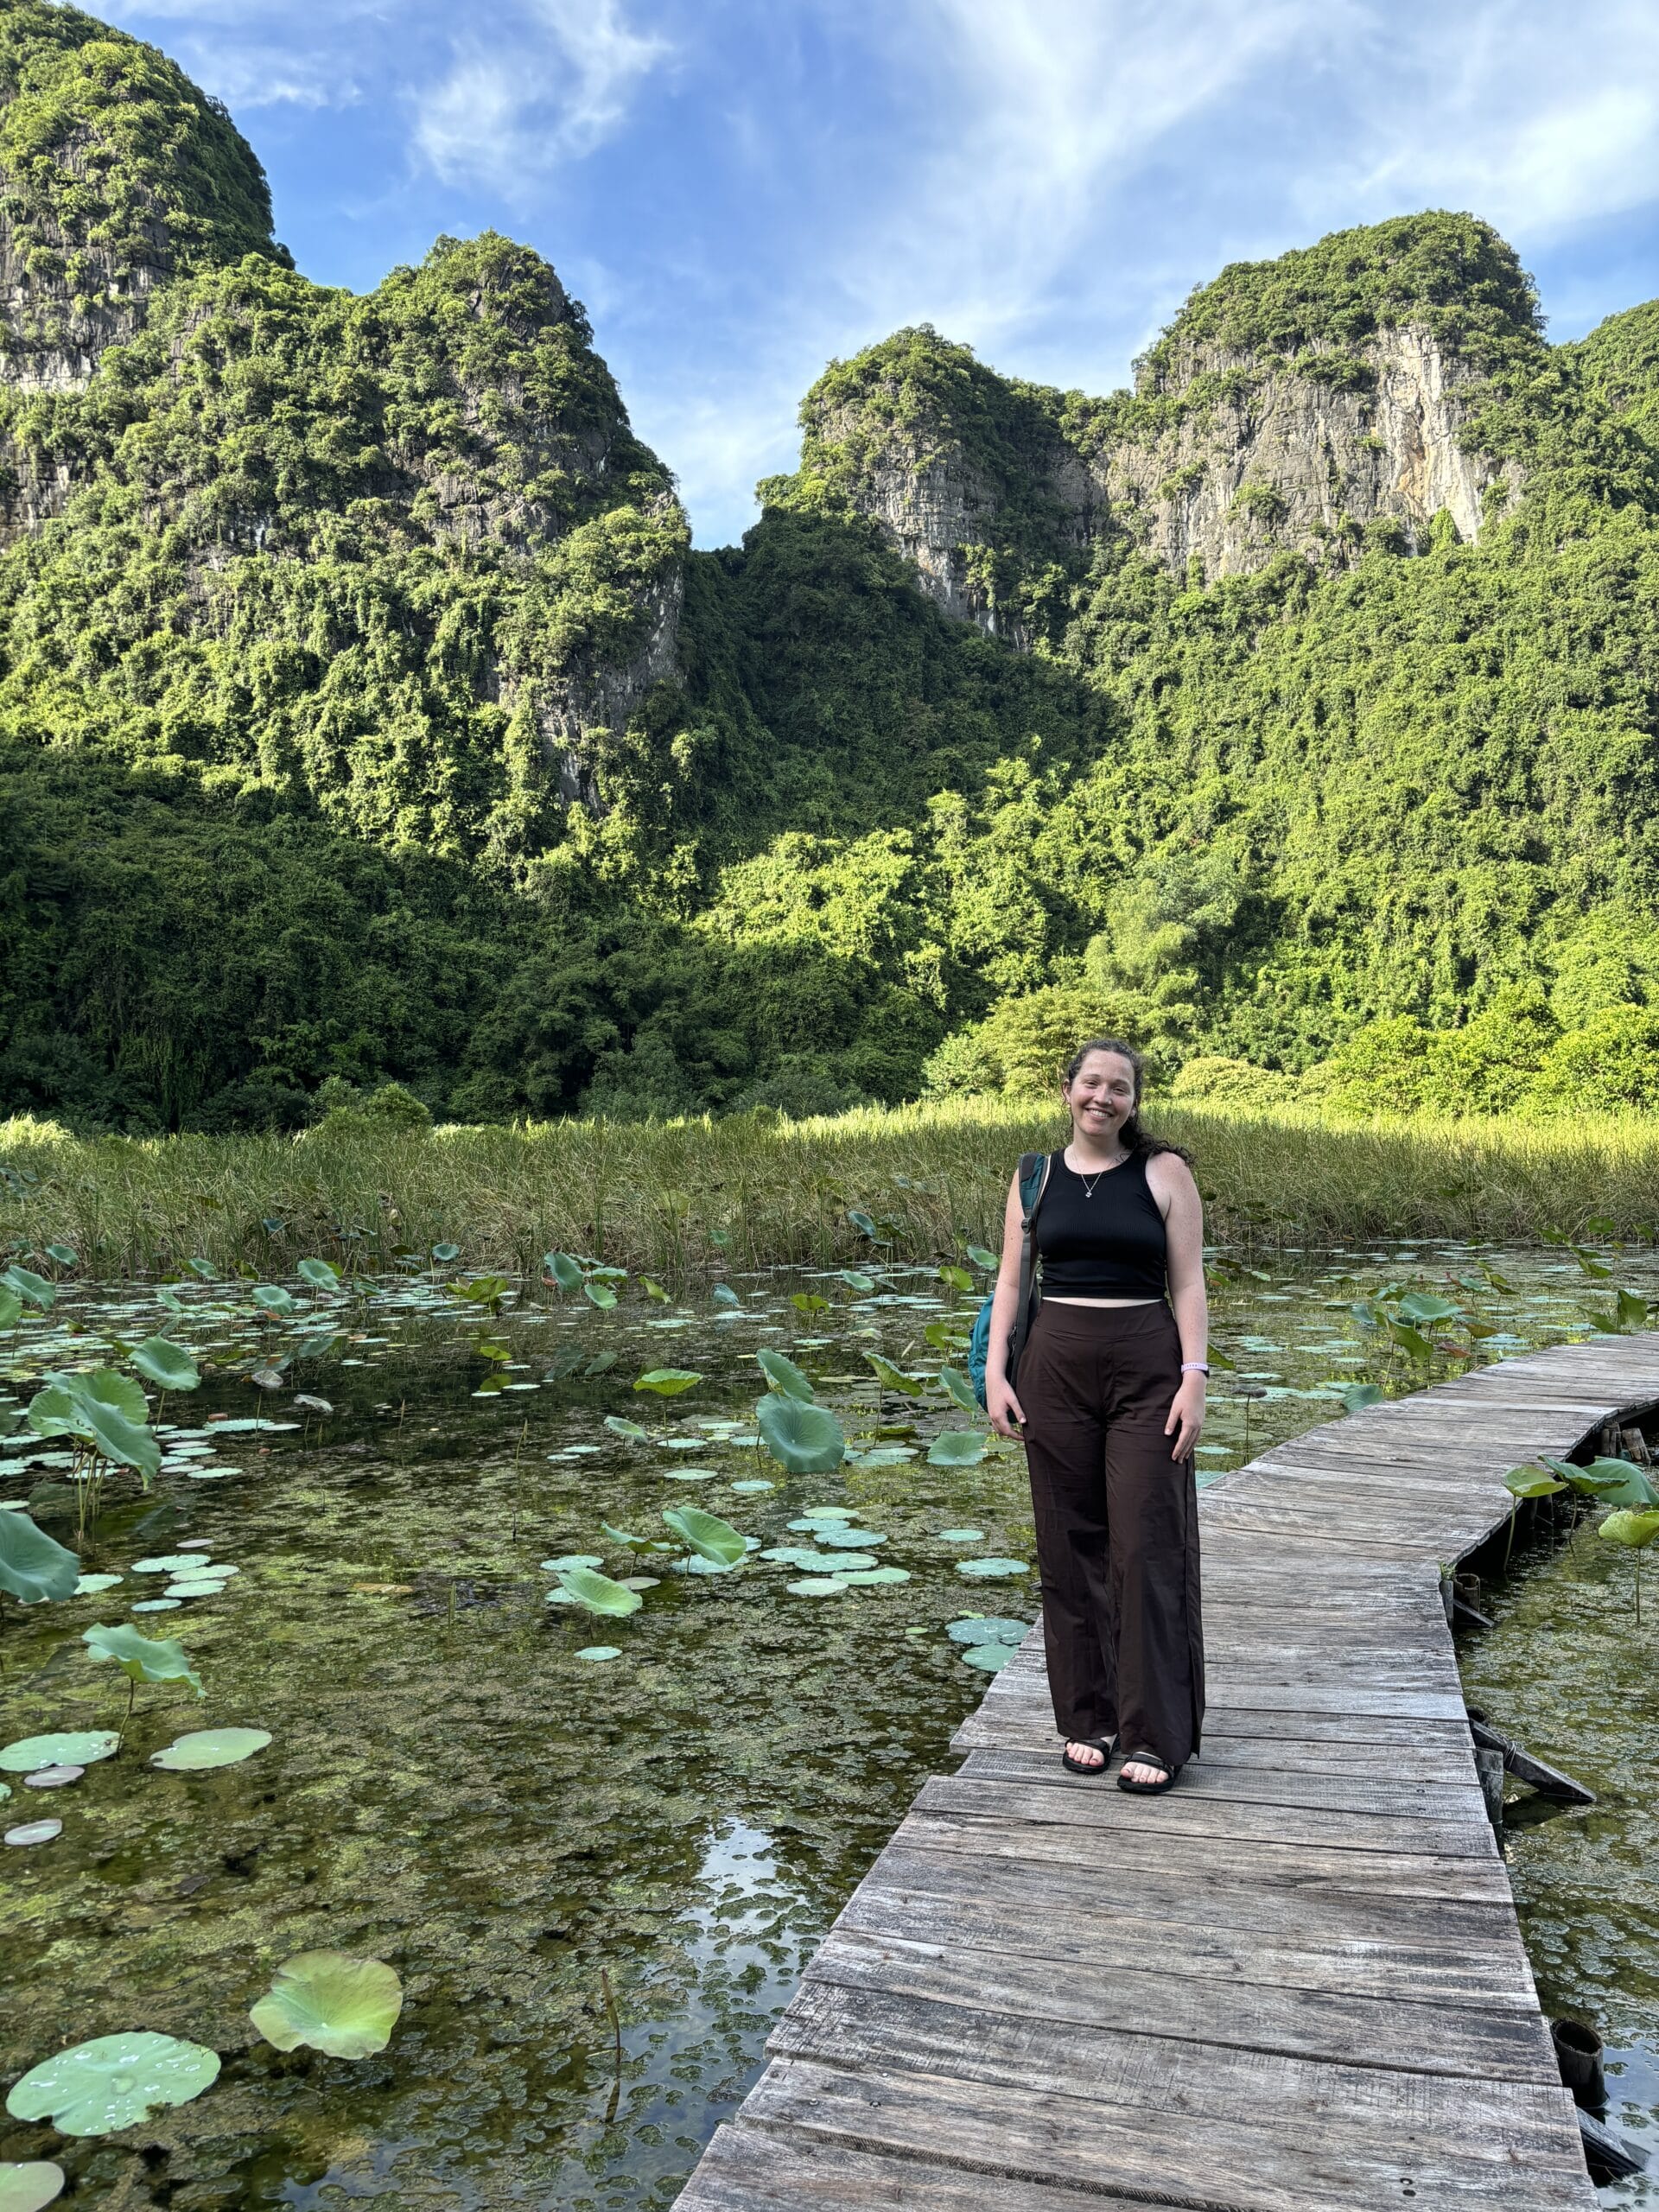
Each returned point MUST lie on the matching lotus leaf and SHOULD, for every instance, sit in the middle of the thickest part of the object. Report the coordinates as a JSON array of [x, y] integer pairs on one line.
[[980, 1256], [618, 1537], [163, 1362], [808, 1301], [271, 1298], [597, 1651], [34, 1832], [11, 1308], [600, 1294], [724, 1295], [980, 1628], [90, 1585], [641, 1582], [345, 2007], [838, 1534], [758, 1482], [668, 1382], [319, 1274], [142, 1658], [202, 1585], [785, 1376], [817, 1585], [814, 1513], [204, 1268], [631, 1429], [866, 1227], [957, 1386], [28, 2188], [597, 1592], [572, 1558], [856, 1280], [83, 1747], [167, 1563], [114, 2081], [34, 1567], [864, 1577], [1423, 1306], [1411, 1340], [158, 1606], [33, 1290], [991, 1569], [961, 1536], [306, 1403], [1355, 1396], [206, 1748], [709, 1536], [957, 1447], [894, 1378], [1634, 1530], [444, 1253], [1614, 1482], [991, 1658], [1532, 1481], [887, 1455], [803, 1439]]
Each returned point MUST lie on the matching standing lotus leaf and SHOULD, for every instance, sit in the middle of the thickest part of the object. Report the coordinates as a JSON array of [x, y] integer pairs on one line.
[[565, 1271], [709, 1536], [806, 1440], [957, 1447], [34, 1567], [206, 1748], [142, 1658], [668, 1382], [785, 1376], [955, 1385], [161, 1362], [319, 1274], [114, 2081], [27, 2188], [345, 2007], [894, 1378], [598, 1592], [76, 1747], [34, 1289], [1634, 1530]]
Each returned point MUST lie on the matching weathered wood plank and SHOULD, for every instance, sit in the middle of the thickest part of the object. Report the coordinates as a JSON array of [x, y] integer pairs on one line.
[[749, 2168], [1363, 1795]]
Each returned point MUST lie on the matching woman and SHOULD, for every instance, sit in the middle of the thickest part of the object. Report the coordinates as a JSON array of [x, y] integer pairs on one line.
[[1110, 1404]]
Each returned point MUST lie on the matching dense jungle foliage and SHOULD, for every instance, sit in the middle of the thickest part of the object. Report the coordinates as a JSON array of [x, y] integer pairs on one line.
[[363, 714]]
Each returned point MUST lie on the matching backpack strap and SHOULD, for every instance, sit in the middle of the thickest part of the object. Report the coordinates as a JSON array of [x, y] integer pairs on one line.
[[1034, 1181]]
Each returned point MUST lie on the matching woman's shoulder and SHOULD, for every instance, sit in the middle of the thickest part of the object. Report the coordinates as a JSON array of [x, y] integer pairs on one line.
[[1167, 1172]]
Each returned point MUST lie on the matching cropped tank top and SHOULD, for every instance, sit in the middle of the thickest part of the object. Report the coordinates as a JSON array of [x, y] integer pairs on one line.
[[1109, 1244]]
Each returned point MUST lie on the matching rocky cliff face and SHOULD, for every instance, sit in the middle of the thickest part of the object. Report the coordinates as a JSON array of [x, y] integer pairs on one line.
[[1309, 404]]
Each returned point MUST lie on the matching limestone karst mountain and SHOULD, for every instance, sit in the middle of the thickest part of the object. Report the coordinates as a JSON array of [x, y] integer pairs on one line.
[[363, 712]]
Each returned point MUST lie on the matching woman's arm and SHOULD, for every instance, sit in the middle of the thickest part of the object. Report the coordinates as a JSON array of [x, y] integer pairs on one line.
[[1176, 1195], [999, 1401]]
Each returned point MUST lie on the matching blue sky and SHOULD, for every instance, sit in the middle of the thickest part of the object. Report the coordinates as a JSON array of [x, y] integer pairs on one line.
[[741, 189]]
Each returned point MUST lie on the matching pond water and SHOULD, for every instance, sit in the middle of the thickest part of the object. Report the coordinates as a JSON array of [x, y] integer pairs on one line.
[[525, 1831]]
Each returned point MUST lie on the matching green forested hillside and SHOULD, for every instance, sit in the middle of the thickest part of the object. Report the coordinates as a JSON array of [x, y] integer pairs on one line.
[[362, 713]]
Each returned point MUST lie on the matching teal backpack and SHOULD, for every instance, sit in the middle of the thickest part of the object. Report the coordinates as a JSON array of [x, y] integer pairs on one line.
[[1034, 1181]]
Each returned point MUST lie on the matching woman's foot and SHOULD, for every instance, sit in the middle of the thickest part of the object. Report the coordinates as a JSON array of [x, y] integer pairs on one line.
[[1146, 1772], [1082, 1755]]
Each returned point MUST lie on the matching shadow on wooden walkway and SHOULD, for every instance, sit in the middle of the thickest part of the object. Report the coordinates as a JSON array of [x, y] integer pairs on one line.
[[1297, 1982]]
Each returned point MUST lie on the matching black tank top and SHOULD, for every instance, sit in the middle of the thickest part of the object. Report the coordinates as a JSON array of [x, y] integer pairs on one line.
[[1111, 1244]]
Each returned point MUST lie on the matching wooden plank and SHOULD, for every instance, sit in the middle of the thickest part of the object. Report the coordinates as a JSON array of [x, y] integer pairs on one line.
[[748, 2169], [1261, 1784], [1430, 1765], [1141, 1996]]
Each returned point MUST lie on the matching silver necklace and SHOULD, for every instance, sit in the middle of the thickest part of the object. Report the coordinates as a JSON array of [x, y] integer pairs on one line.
[[1089, 1187]]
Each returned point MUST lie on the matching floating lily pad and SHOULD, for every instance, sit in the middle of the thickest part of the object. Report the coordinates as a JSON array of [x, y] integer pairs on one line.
[[867, 1578], [980, 1628], [33, 1831], [571, 1559], [27, 2188], [961, 1536], [74, 1748], [839, 1562], [818, 1586], [990, 1658], [206, 1748], [203, 1585], [836, 1535], [53, 1777], [167, 1563], [758, 1483], [113, 2081], [690, 1474], [957, 1447], [596, 1652], [344, 2007], [992, 1569], [90, 1585], [157, 1604]]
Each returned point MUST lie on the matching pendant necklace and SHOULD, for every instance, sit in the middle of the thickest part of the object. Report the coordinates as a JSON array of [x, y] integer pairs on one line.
[[1089, 1187]]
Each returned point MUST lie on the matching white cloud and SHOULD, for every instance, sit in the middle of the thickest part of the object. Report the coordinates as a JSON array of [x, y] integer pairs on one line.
[[551, 88]]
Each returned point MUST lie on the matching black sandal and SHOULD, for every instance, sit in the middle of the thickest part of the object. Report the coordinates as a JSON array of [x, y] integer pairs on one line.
[[1148, 1789], [1105, 1747]]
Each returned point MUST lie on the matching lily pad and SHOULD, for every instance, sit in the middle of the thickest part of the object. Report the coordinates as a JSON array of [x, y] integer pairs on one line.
[[158, 1606], [74, 1748], [53, 1777], [867, 1578], [205, 1586], [571, 1559], [757, 1484], [785, 1376], [836, 1535], [597, 1651], [957, 1447], [90, 1585], [206, 1748], [709, 1536], [33, 1831], [631, 1429], [344, 2007], [167, 1563], [598, 1592], [990, 1658], [114, 2081], [818, 1586], [980, 1628], [27, 2188], [690, 1474], [806, 1440], [992, 1569], [961, 1536], [34, 1567]]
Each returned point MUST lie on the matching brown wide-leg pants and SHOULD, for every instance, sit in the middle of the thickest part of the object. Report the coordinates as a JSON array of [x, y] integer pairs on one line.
[[1117, 1527]]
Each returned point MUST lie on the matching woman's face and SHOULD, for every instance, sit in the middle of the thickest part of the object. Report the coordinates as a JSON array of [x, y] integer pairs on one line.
[[1101, 1096]]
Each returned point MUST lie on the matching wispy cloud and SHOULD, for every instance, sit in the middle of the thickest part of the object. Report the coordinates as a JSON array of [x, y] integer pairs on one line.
[[549, 87]]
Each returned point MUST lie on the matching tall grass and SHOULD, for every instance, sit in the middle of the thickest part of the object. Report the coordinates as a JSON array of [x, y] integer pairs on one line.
[[659, 1197]]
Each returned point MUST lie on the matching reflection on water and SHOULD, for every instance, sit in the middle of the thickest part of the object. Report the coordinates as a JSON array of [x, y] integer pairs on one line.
[[452, 1788]]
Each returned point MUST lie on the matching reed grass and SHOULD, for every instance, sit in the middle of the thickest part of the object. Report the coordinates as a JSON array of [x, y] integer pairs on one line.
[[657, 1195]]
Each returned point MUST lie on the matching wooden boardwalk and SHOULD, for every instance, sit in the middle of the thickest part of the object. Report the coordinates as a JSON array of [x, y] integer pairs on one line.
[[1296, 1983]]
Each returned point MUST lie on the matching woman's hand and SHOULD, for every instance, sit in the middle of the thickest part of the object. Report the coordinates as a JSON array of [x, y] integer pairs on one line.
[[1003, 1407], [1186, 1421]]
